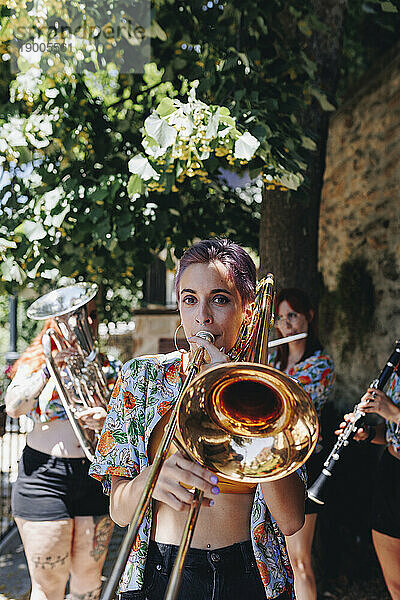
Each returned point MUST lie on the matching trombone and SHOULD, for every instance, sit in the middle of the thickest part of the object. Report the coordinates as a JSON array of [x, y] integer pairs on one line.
[[243, 420]]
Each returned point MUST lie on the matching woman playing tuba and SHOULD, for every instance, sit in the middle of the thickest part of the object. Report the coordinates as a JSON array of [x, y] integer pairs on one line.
[[60, 512]]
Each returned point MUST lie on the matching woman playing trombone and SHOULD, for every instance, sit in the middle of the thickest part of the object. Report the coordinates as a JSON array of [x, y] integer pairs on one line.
[[238, 548]]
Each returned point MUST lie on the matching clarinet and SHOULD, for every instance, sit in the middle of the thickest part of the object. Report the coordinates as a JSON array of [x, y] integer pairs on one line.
[[316, 491]]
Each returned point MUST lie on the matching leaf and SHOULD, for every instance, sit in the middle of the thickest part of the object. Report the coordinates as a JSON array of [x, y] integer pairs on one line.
[[308, 143], [157, 32], [230, 121], [166, 107], [246, 146], [140, 165], [291, 180], [304, 27], [389, 7], [57, 220], [32, 230], [135, 185], [322, 99], [212, 126], [4, 244], [11, 270], [160, 131]]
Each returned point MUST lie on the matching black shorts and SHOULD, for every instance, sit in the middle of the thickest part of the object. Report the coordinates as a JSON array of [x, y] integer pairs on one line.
[[50, 488], [386, 496], [314, 467], [229, 573]]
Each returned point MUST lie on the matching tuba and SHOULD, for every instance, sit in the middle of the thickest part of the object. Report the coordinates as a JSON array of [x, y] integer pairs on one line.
[[243, 420], [80, 382]]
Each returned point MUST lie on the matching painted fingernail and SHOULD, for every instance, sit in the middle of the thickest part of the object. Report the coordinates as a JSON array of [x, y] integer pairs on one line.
[[214, 479], [211, 503], [215, 490]]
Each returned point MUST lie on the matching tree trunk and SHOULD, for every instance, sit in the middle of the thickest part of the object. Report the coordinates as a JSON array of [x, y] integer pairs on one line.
[[289, 224], [288, 239]]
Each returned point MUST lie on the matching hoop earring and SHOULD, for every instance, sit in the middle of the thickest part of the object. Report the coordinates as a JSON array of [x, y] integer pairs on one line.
[[176, 338]]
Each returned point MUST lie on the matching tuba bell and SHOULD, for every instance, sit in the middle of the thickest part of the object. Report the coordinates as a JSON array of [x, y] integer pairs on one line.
[[80, 382]]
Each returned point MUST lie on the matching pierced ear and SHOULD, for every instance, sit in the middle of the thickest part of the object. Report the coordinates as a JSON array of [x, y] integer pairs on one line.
[[248, 313]]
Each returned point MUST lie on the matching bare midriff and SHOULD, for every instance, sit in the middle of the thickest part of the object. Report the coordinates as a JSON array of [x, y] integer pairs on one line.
[[56, 438], [223, 524]]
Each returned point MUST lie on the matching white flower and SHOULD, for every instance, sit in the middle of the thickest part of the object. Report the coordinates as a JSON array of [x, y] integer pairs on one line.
[[42, 123], [27, 82], [153, 149], [34, 179], [13, 132], [140, 165], [246, 146], [212, 126], [51, 92], [52, 198], [160, 131], [183, 123]]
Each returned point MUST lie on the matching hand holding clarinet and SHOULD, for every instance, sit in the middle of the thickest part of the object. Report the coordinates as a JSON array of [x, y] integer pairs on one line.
[[374, 401]]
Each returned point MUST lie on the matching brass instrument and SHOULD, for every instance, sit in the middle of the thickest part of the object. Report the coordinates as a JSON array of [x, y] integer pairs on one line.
[[246, 422], [81, 382]]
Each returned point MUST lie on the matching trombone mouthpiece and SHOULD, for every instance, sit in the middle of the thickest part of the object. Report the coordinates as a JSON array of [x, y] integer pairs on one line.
[[206, 335]]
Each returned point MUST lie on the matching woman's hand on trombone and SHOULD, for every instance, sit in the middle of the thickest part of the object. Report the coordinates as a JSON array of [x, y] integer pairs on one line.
[[179, 471], [212, 356], [176, 470]]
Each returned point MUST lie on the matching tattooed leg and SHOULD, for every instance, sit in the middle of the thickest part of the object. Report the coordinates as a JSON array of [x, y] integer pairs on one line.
[[91, 595], [47, 547], [50, 562], [89, 550], [103, 527]]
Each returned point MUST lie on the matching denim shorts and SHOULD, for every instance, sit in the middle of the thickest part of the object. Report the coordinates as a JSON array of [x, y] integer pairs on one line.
[[50, 488], [229, 573]]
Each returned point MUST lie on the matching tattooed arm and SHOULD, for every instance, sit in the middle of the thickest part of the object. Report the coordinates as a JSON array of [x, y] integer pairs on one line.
[[23, 391]]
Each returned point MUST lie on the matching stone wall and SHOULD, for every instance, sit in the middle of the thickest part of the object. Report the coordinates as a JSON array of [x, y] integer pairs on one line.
[[152, 330], [153, 333], [360, 220]]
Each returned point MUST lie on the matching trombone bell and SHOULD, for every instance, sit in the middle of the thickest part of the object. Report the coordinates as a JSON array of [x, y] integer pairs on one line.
[[247, 422]]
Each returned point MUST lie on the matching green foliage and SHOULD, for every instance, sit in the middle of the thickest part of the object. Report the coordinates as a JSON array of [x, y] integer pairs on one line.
[[371, 28], [73, 216]]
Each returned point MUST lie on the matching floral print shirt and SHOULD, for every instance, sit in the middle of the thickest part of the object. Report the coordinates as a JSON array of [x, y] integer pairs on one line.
[[315, 374], [393, 429], [145, 390], [48, 406]]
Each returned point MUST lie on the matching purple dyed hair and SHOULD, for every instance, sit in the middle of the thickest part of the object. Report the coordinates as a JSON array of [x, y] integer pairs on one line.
[[239, 264]]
